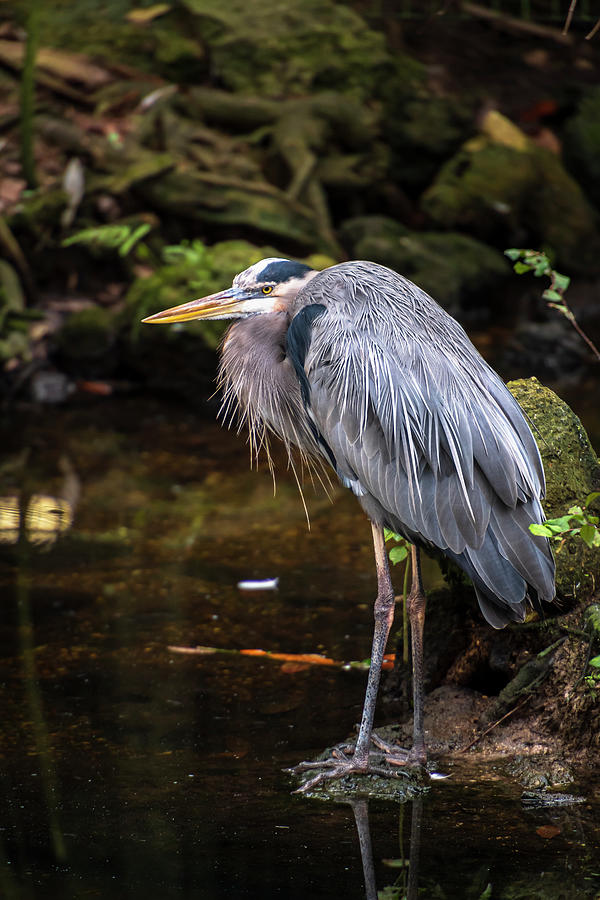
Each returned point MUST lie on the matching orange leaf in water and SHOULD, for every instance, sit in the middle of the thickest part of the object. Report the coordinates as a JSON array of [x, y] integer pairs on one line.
[[313, 659], [547, 831], [95, 387], [290, 668]]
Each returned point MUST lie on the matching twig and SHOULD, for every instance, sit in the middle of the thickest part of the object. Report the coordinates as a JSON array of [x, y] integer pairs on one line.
[[508, 23], [493, 725], [567, 24], [589, 36]]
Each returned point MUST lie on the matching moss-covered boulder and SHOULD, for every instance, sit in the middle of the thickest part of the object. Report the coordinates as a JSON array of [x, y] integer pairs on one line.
[[87, 340], [273, 50], [446, 265], [505, 188], [422, 129], [572, 472]]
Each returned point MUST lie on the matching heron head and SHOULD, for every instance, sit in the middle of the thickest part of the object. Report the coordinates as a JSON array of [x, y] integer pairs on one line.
[[270, 285]]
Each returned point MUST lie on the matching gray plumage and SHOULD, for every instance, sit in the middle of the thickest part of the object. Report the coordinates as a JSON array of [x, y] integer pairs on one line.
[[357, 367], [412, 418]]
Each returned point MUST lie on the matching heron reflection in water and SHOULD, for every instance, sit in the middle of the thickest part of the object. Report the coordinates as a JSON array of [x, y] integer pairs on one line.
[[358, 367]]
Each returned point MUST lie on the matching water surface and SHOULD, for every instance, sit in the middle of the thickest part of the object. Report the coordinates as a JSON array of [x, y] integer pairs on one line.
[[132, 769]]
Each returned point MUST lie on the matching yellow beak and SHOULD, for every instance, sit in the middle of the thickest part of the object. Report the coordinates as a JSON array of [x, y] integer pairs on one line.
[[228, 304]]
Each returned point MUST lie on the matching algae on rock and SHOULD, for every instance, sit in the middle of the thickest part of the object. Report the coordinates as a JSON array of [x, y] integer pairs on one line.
[[572, 472], [497, 182], [274, 51]]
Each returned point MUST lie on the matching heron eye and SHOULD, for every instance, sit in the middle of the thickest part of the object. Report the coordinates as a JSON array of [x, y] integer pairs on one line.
[[267, 289]]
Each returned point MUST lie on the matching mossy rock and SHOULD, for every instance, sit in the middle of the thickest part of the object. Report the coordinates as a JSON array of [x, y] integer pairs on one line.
[[422, 130], [273, 50], [572, 472], [446, 265], [87, 335], [500, 191], [102, 30], [188, 195]]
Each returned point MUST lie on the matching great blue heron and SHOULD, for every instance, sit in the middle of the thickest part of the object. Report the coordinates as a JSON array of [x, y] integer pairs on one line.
[[358, 366]]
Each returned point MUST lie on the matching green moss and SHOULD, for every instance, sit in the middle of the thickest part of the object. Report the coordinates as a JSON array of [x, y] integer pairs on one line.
[[273, 50], [486, 186], [100, 28], [422, 130], [443, 264], [572, 472], [87, 335]]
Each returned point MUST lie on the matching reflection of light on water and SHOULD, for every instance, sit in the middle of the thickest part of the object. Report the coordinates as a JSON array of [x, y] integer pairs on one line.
[[45, 519]]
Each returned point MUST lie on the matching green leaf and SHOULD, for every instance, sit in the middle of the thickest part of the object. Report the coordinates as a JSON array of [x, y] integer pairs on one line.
[[561, 282], [521, 267], [513, 253], [595, 662], [540, 529], [588, 533], [575, 511], [591, 497], [398, 554], [549, 294], [561, 523], [140, 232]]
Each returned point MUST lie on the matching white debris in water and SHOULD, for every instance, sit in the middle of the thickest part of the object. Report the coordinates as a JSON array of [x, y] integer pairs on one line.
[[267, 584]]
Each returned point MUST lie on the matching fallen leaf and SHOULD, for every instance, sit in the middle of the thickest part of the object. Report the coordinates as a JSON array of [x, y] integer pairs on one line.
[[102, 388], [314, 659], [11, 190], [61, 63], [501, 130], [290, 668], [547, 831], [147, 14]]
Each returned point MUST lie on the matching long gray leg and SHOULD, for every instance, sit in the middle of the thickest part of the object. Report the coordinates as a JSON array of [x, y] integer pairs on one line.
[[384, 616], [416, 612], [340, 764]]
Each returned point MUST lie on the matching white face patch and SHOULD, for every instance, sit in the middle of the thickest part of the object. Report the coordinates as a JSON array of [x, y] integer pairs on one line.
[[251, 276]]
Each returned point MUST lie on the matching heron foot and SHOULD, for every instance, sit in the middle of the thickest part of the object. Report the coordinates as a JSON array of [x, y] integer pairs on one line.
[[390, 762]]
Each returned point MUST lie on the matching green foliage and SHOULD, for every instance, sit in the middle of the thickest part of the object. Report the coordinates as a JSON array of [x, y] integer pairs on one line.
[[539, 264], [193, 255], [401, 550], [122, 238], [578, 521], [15, 318]]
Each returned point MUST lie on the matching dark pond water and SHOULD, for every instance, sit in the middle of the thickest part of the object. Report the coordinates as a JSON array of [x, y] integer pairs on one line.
[[131, 769]]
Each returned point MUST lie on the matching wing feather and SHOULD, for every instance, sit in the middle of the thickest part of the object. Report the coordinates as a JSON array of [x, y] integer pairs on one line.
[[429, 436]]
